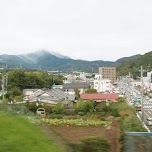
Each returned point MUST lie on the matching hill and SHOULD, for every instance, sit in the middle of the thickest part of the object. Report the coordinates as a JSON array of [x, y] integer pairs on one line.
[[133, 66], [45, 60]]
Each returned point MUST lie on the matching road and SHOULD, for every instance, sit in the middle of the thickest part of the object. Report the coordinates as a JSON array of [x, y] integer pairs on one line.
[[131, 93]]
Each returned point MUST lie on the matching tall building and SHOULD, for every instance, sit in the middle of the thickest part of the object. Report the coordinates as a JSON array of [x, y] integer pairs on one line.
[[108, 73], [102, 85]]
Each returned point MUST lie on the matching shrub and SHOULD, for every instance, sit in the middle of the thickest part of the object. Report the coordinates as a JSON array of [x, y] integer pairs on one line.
[[58, 108], [132, 123], [94, 144], [55, 116], [69, 111]]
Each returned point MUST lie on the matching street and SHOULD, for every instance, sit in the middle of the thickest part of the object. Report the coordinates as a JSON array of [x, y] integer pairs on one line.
[[132, 94]]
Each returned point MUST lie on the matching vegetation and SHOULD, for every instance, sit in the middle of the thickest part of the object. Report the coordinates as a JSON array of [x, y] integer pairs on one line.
[[92, 144], [133, 66], [75, 122], [82, 107], [20, 79], [91, 90], [19, 135]]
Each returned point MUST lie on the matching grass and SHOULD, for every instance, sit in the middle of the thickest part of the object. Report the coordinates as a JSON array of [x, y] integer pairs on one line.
[[19, 135]]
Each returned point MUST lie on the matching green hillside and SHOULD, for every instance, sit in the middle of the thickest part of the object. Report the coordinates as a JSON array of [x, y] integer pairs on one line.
[[133, 66], [19, 135]]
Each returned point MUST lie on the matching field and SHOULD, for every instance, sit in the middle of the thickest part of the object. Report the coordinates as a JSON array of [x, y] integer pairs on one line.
[[67, 134], [18, 134]]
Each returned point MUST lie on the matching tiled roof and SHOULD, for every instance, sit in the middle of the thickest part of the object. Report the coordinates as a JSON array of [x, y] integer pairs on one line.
[[80, 85], [110, 96]]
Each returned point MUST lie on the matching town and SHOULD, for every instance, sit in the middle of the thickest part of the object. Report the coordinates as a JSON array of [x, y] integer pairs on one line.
[[80, 95]]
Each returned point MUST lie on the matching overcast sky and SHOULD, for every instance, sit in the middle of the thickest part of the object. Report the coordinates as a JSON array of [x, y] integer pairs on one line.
[[80, 29]]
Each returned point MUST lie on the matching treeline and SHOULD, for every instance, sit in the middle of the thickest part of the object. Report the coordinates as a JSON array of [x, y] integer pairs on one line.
[[21, 79]]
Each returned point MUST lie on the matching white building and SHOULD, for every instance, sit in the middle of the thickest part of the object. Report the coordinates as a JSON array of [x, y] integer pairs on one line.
[[147, 82], [102, 85]]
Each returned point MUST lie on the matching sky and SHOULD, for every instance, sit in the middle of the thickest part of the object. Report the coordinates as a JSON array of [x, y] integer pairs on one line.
[[80, 29]]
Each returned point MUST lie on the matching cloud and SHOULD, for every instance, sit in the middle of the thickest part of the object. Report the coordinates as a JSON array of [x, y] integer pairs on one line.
[[84, 29]]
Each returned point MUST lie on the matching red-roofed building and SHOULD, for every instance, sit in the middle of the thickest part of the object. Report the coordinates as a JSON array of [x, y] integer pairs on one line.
[[98, 97]]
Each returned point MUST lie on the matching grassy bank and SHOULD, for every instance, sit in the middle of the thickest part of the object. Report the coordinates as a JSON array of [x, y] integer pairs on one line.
[[19, 135]]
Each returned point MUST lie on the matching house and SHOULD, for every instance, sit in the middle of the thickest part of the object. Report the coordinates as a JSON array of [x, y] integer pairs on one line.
[[28, 92], [54, 86], [99, 97], [51, 96], [82, 86]]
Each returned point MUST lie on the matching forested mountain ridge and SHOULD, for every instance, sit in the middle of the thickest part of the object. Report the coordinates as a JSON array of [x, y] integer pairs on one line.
[[133, 66], [44, 60]]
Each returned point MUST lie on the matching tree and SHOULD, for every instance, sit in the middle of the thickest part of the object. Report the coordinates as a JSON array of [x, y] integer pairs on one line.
[[77, 93], [91, 90], [80, 107], [58, 108], [121, 99], [89, 106]]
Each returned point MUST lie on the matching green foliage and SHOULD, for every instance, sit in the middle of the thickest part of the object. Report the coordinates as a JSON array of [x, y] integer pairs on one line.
[[133, 66], [108, 110], [74, 122], [91, 90], [77, 93], [89, 106], [84, 107], [20, 79], [121, 99], [131, 123], [32, 106], [94, 144], [18, 98], [58, 108], [80, 106], [55, 116]]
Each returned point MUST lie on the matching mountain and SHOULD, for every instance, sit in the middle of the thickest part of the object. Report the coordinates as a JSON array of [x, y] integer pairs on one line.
[[133, 66], [128, 58], [46, 60]]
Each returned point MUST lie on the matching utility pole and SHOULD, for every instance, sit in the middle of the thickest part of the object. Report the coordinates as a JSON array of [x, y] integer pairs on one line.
[[3, 84], [6, 81], [142, 110], [129, 89]]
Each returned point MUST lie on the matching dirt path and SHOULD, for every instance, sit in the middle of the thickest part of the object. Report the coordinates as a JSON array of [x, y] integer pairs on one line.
[[51, 133]]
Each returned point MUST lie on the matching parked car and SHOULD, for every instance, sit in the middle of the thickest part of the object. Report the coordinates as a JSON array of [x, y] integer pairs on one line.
[[149, 121], [41, 112], [150, 100], [147, 97]]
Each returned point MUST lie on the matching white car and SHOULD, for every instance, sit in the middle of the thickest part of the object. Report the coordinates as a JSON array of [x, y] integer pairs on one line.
[[150, 100], [147, 97]]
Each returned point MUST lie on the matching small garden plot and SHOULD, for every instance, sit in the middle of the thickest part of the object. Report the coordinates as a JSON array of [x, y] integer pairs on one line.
[[75, 122]]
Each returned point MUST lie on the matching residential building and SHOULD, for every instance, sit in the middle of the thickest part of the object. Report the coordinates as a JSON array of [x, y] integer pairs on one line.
[[99, 97], [51, 96], [108, 73], [102, 85], [82, 86]]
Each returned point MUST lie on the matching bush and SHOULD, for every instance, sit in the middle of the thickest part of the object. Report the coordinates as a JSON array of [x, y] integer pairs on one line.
[[69, 111], [94, 144], [58, 108], [132, 123], [31, 106], [55, 116]]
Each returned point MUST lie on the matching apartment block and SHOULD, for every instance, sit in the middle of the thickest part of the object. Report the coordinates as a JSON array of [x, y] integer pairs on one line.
[[108, 73]]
